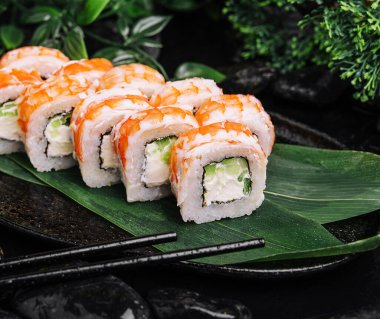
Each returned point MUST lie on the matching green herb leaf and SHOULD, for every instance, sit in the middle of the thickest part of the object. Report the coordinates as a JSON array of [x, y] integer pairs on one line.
[[344, 183], [91, 10], [183, 5], [10, 167], [150, 26], [74, 45], [40, 14], [11, 36], [150, 43], [191, 69], [40, 34], [122, 24]]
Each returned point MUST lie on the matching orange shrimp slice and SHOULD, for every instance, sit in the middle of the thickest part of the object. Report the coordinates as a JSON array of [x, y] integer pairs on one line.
[[137, 75], [147, 118], [94, 110], [44, 60], [11, 77], [91, 69], [194, 91], [40, 94]]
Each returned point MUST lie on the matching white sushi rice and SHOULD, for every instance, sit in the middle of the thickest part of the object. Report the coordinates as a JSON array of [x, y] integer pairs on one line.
[[92, 172], [35, 140], [189, 186], [132, 174], [8, 125]]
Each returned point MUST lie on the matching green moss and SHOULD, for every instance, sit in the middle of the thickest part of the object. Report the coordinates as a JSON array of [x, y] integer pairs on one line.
[[291, 34]]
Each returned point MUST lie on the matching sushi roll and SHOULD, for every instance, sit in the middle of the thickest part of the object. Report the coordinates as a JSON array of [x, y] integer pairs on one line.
[[45, 60], [244, 109], [88, 99], [90, 69], [136, 75], [143, 143], [194, 91], [44, 118], [12, 83], [92, 138], [217, 171]]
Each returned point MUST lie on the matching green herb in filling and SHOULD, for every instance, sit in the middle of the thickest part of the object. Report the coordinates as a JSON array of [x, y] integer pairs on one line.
[[8, 109], [226, 181], [58, 135], [156, 165]]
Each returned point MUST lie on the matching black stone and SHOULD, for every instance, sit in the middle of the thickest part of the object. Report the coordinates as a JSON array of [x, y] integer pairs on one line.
[[7, 315], [314, 85], [97, 298], [247, 78], [173, 303]]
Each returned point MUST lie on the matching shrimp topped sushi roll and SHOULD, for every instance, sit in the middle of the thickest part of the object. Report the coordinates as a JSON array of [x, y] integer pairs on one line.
[[92, 138], [90, 69], [44, 118], [194, 91], [244, 109], [143, 143], [135, 75], [88, 99], [12, 83], [45, 60], [217, 171]]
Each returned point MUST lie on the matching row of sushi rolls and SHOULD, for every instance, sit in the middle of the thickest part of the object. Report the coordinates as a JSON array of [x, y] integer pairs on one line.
[[127, 124]]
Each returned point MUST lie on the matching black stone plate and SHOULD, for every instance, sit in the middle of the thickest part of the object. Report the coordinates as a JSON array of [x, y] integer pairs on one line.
[[46, 213]]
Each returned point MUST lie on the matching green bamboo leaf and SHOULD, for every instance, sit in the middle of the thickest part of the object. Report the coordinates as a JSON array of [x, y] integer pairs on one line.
[[323, 185], [11, 36], [11, 168], [91, 10], [191, 69], [74, 45], [150, 26], [289, 220]]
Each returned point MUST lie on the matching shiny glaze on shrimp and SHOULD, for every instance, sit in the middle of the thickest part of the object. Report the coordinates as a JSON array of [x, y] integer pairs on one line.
[[136, 75]]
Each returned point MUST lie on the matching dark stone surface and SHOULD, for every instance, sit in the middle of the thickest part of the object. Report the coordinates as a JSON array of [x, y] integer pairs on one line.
[[173, 303], [247, 78], [7, 315], [313, 85], [98, 298]]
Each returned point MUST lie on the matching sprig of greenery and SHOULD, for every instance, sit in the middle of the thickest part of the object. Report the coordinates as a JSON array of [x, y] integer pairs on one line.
[[128, 27], [342, 34]]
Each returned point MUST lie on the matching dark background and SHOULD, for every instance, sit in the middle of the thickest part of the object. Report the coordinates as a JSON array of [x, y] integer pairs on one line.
[[353, 289]]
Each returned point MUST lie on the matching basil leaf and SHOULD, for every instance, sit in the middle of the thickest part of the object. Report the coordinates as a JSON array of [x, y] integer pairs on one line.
[[122, 24], [191, 69], [74, 45], [40, 34], [11, 36], [91, 10], [150, 26], [151, 43], [183, 5], [40, 14], [116, 55]]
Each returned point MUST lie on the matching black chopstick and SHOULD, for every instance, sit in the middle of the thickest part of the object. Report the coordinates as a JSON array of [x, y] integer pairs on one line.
[[101, 267], [86, 251]]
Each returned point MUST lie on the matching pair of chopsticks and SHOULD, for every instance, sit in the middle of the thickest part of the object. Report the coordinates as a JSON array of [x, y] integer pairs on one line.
[[51, 274]]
